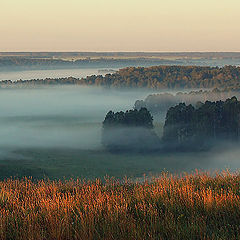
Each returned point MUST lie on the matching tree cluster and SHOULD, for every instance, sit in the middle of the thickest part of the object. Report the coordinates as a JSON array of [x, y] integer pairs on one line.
[[130, 130], [187, 126], [133, 118]]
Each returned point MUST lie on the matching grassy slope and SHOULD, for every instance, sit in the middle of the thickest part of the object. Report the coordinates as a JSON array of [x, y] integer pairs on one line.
[[189, 207]]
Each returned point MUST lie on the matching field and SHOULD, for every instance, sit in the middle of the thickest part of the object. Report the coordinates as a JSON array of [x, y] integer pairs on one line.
[[197, 206], [52, 136], [60, 163]]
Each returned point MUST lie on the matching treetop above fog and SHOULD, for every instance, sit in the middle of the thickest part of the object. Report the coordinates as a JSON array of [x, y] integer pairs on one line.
[[157, 77], [129, 131], [161, 102], [130, 118], [186, 127], [186, 124]]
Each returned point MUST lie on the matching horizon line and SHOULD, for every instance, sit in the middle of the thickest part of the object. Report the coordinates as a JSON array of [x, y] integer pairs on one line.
[[72, 51]]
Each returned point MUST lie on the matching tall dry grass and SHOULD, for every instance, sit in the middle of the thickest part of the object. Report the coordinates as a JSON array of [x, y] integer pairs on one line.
[[197, 206]]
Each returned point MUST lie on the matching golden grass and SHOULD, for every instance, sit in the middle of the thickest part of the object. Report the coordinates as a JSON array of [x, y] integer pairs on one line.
[[197, 206]]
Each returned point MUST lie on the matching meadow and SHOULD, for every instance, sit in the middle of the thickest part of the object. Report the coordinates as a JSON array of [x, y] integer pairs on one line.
[[55, 132], [190, 206], [56, 163], [51, 155]]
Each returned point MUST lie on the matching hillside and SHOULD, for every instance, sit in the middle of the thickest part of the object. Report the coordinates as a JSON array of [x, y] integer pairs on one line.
[[190, 207]]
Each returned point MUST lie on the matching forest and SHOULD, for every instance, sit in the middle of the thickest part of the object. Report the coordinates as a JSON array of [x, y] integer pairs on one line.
[[73, 62], [186, 127], [157, 77], [170, 77], [130, 130], [161, 102]]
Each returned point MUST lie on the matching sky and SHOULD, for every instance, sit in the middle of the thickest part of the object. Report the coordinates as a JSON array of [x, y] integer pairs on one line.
[[119, 25]]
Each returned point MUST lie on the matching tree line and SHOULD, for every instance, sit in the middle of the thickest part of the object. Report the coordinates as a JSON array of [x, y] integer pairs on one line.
[[170, 77], [18, 63], [160, 103], [186, 127], [157, 77]]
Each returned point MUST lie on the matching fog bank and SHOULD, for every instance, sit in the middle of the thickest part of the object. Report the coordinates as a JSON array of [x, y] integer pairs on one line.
[[57, 131], [69, 116]]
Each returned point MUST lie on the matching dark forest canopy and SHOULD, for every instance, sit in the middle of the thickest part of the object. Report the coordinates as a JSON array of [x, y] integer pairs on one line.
[[130, 130], [187, 126], [158, 77], [133, 118], [160, 103]]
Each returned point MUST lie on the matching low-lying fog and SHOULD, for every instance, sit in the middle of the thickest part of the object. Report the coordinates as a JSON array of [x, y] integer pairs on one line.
[[42, 74], [58, 118]]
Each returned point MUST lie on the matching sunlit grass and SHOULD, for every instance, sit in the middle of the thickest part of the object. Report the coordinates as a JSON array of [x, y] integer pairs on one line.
[[197, 206]]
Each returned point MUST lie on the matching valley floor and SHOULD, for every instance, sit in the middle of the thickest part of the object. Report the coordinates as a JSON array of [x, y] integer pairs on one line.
[[60, 163]]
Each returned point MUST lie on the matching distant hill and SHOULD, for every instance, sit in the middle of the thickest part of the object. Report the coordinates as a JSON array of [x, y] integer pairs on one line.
[[10, 61], [157, 77], [209, 55]]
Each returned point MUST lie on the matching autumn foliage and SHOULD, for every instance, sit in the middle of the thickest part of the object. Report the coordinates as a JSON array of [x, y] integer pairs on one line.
[[197, 206]]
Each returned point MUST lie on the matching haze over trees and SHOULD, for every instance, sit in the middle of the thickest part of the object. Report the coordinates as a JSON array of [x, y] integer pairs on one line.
[[186, 127], [41, 62], [161, 102], [158, 77], [68, 60], [192, 127], [130, 130]]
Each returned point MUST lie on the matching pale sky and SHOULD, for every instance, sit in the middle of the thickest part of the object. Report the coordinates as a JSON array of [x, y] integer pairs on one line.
[[119, 25]]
